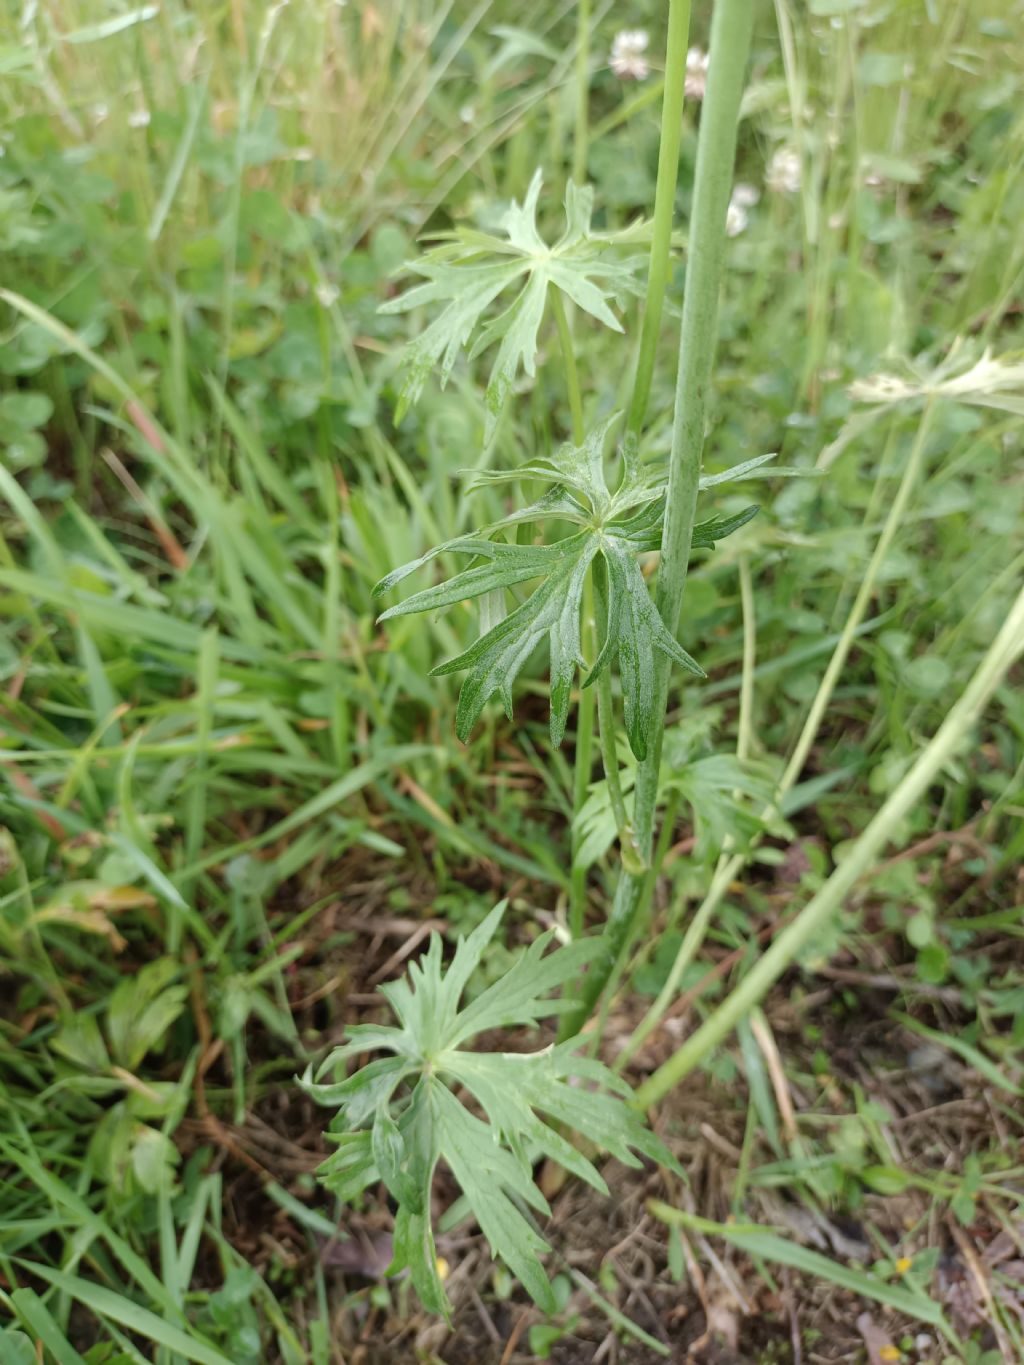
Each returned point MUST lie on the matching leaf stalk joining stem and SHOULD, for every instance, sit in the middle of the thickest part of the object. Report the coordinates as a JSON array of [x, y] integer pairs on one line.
[[731, 27]]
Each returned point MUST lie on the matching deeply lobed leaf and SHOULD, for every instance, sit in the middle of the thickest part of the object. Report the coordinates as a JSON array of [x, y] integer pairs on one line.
[[468, 271], [399, 1138], [615, 528]]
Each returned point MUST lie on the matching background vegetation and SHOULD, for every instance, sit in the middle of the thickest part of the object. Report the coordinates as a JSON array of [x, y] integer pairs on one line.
[[232, 804]]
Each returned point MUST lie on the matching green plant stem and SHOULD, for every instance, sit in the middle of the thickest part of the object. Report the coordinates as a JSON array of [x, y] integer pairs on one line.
[[729, 867], [649, 882], [572, 375], [1004, 651], [745, 725], [584, 759], [606, 730], [664, 205], [582, 767], [716, 150], [723, 878], [580, 139], [731, 26]]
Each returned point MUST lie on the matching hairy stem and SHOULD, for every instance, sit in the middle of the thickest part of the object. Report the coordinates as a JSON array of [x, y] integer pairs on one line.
[[664, 205], [1004, 651], [716, 149], [716, 152]]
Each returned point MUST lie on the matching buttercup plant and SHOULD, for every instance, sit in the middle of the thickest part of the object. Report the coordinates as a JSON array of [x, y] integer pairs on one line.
[[401, 1115], [388, 1131]]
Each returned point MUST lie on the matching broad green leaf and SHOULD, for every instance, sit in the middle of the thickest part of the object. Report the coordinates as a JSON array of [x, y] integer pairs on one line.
[[490, 1177], [469, 271], [16, 1348], [393, 1161], [81, 1042], [633, 630], [351, 1168], [714, 786], [528, 1101], [142, 1009]]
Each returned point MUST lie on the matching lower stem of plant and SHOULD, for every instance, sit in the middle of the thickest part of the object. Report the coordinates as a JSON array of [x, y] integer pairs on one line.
[[606, 726], [584, 759], [731, 864], [583, 764], [732, 22]]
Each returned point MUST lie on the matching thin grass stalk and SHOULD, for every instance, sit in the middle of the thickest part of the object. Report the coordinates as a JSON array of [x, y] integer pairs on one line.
[[858, 611], [745, 725], [1002, 654], [664, 206], [731, 26]]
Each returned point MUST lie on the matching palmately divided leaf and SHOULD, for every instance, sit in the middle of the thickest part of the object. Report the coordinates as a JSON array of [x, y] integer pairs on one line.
[[633, 630], [578, 468], [726, 798], [615, 527], [469, 270], [400, 1137], [553, 609]]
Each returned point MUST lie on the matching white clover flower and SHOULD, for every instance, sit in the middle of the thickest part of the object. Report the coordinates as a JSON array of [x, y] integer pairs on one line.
[[326, 294], [696, 73], [138, 118], [745, 196], [627, 59], [783, 175], [736, 219]]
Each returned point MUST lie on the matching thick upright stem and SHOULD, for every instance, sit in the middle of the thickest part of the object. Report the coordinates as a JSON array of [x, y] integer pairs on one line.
[[664, 205], [716, 152], [1005, 650], [716, 149]]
